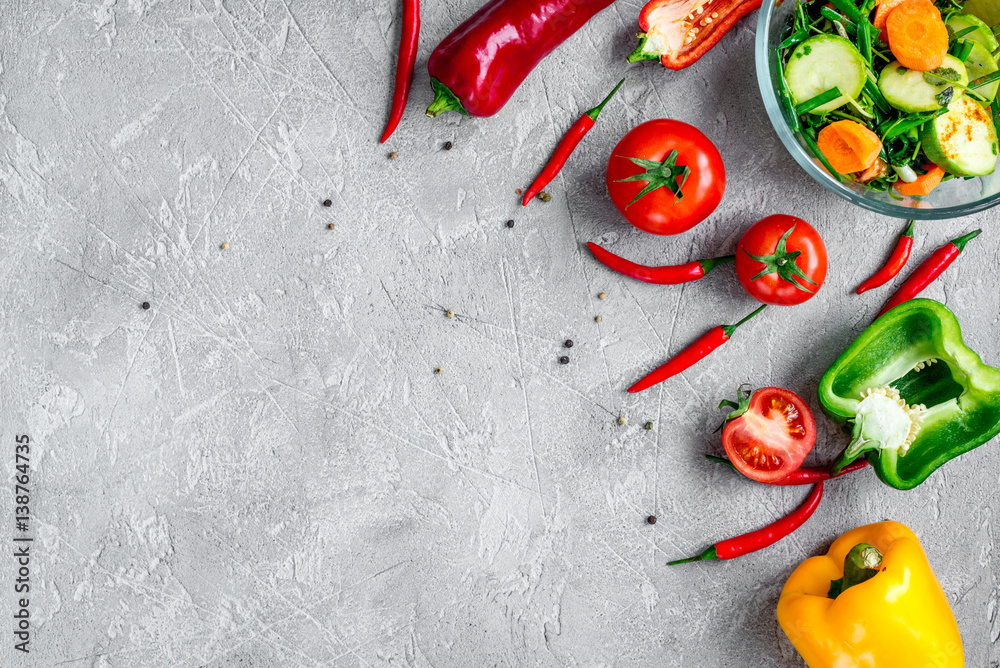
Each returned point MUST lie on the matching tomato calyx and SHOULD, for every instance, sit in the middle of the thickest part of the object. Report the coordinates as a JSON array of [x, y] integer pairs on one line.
[[658, 175], [783, 263], [740, 406]]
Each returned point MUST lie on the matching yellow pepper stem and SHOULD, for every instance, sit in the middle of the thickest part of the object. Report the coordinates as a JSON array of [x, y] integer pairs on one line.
[[860, 565]]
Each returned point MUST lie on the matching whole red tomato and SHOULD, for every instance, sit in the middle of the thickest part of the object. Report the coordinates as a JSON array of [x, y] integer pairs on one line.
[[666, 176], [769, 434], [781, 260]]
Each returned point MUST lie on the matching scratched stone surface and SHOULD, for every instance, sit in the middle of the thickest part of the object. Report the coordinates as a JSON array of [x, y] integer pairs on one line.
[[263, 469]]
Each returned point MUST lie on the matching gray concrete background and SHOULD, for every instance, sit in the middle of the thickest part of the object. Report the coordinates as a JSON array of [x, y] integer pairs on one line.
[[262, 469]]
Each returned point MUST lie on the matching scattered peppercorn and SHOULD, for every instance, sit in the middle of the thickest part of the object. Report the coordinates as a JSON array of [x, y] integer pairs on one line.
[[651, 519], [648, 426], [544, 196], [602, 295], [330, 226], [622, 420], [564, 360], [569, 343], [393, 155], [439, 370], [225, 245], [597, 318], [327, 202], [450, 313], [510, 223], [145, 306], [448, 145], [518, 191]]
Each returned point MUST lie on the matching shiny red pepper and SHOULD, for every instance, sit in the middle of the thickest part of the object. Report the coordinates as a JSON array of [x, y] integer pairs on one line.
[[929, 269], [404, 65], [894, 264], [477, 68], [695, 352], [804, 475], [761, 538], [566, 147], [667, 275], [679, 32]]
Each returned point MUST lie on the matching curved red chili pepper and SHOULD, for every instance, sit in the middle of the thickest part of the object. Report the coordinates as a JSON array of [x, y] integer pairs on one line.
[[404, 65], [566, 147], [476, 68], [698, 350], [667, 275], [894, 264], [804, 475], [679, 32], [761, 538], [928, 270]]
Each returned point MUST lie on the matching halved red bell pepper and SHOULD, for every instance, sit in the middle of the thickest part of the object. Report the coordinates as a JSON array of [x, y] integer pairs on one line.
[[679, 32]]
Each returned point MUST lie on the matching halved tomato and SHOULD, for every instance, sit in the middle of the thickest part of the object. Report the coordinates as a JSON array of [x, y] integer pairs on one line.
[[769, 434]]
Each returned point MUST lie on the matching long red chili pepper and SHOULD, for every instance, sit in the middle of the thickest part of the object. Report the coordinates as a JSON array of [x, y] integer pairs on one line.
[[804, 475], [928, 270], [477, 68], [667, 275], [894, 264], [761, 538], [404, 65], [566, 147], [702, 346]]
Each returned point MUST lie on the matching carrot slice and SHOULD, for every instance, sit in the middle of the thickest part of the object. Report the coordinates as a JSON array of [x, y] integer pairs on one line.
[[882, 10], [849, 146], [917, 35], [924, 184]]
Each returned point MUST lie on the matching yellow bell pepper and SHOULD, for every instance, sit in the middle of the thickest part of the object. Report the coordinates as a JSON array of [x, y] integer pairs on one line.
[[899, 618]]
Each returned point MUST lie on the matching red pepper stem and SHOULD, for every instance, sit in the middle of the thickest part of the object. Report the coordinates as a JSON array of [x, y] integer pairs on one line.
[[708, 555], [960, 242], [710, 264], [729, 329], [444, 100], [595, 112], [909, 230]]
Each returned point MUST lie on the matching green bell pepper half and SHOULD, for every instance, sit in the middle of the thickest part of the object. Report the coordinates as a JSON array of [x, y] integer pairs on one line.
[[957, 398]]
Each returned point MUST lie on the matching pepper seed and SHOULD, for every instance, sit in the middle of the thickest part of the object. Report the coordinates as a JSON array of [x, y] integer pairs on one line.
[[510, 223], [448, 145], [327, 202], [651, 519], [602, 295], [569, 343], [393, 155], [622, 420], [564, 360], [544, 196], [450, 313], [648, 426], [145, 306]]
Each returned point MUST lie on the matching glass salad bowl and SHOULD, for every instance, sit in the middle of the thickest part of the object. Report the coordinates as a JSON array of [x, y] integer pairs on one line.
[[952, 199]]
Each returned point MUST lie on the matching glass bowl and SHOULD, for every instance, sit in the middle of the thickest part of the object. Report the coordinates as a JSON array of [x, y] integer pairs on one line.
[[952, 199]]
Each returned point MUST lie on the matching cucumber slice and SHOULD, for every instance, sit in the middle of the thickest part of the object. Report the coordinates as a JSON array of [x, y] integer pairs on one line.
[[820, 63], [980, 63], [962, 141], [983, 34], [910, 91], [987, 10]]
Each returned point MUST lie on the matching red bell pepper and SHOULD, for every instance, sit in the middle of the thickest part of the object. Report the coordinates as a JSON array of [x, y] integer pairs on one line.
[[679, 32], [477, 68]]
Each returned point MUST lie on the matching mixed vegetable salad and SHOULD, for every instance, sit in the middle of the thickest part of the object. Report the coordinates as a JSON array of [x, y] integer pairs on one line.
[[898, 95]]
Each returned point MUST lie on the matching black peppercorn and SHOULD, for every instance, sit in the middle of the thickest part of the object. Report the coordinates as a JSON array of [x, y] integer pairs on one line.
[[651, 519], [145, 306], [327, 202], [564, 360], [510, 223], [569, 343], [447, 145]]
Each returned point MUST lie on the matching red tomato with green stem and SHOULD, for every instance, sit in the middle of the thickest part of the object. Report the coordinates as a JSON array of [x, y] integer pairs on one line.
[[665, 176], [769, 433], [781, 260]]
